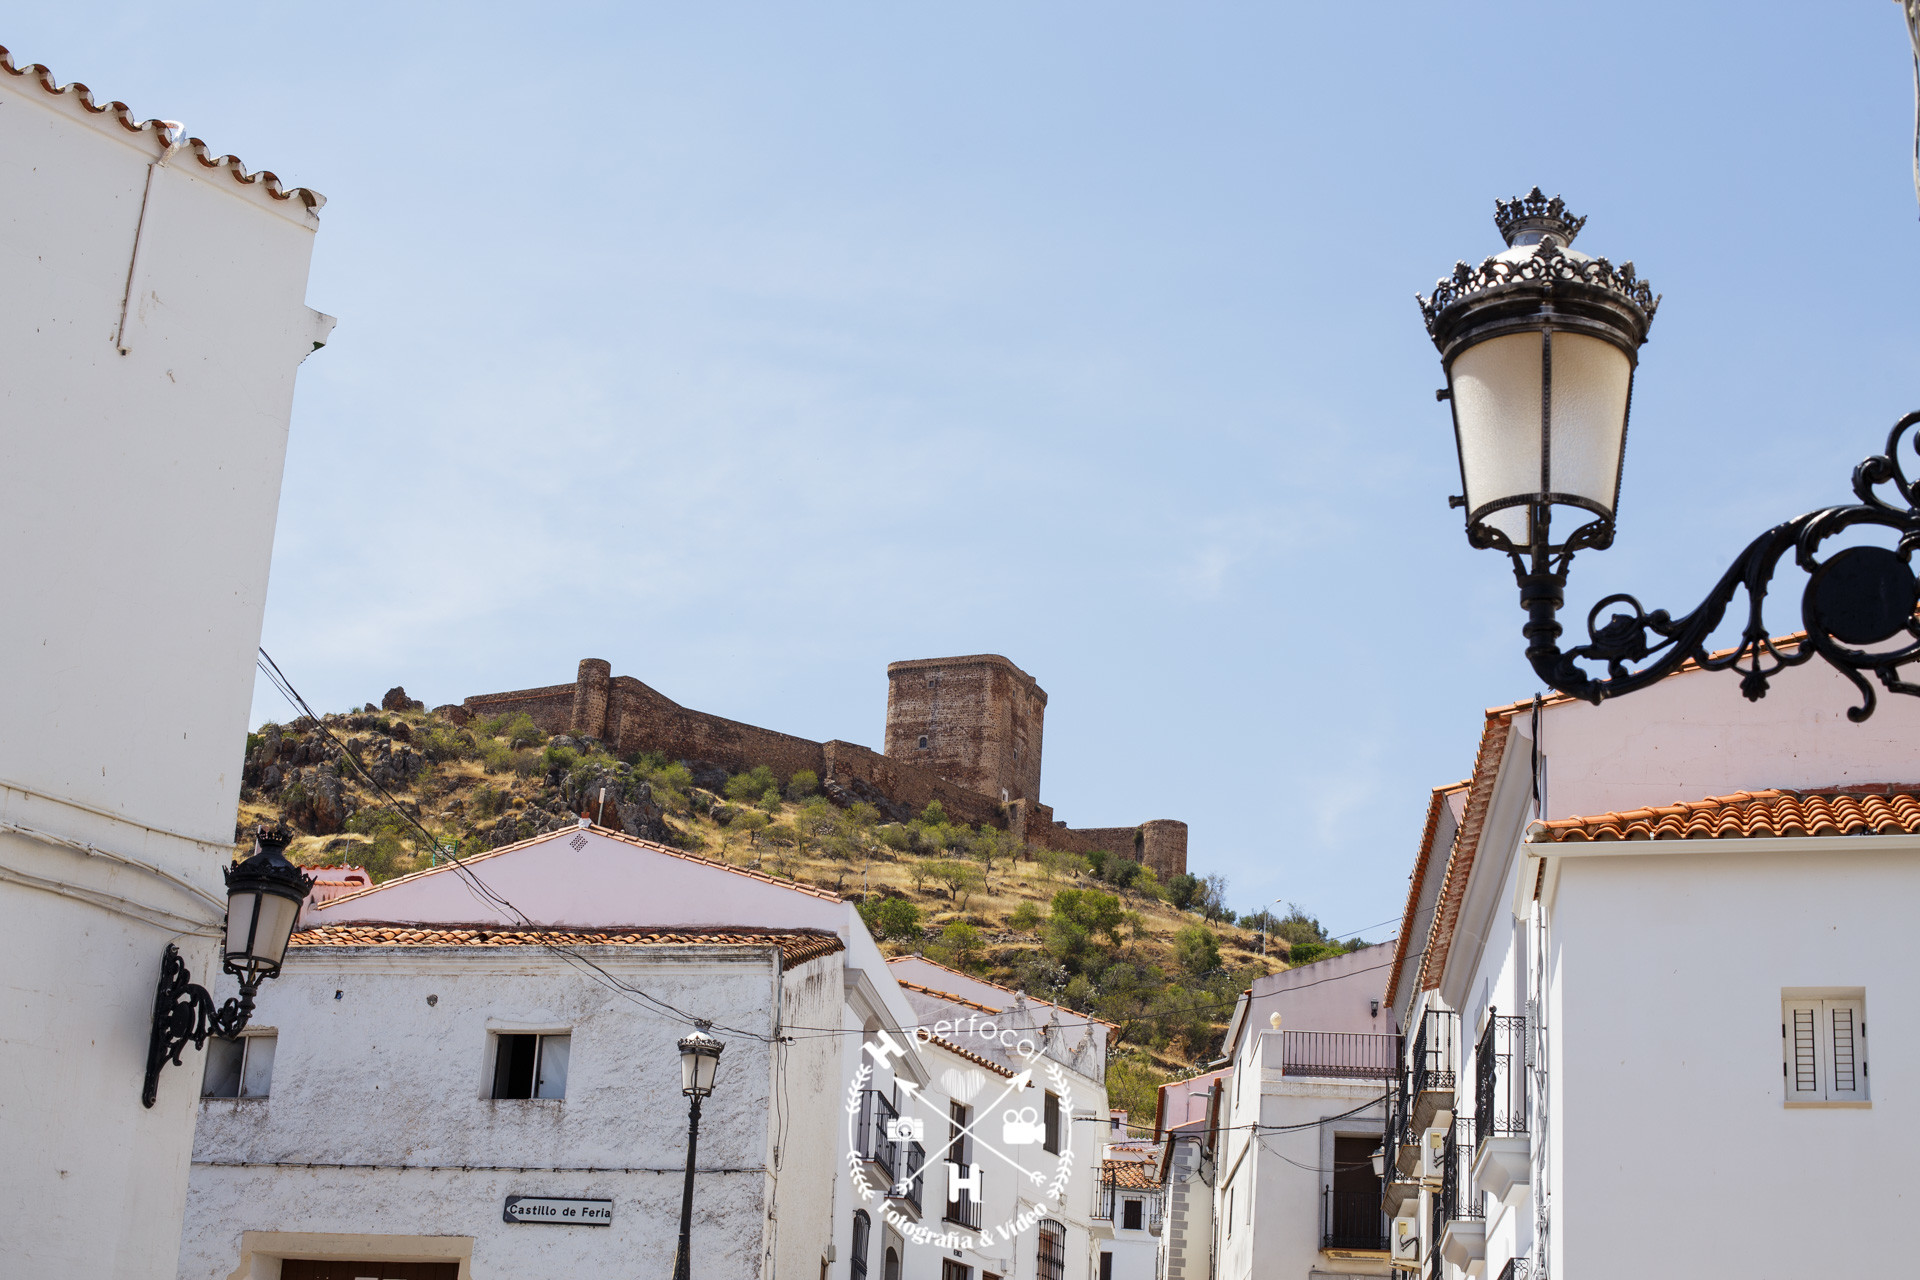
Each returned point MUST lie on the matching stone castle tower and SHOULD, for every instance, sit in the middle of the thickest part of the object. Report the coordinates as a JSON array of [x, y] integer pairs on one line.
[[976, 721]]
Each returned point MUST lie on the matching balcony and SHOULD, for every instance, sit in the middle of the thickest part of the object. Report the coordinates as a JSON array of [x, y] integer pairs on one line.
[[1503, 1159], [1461, 1216], [1432, 1068], [1351, 1222], [963, 1211], [1339, 1055], [1125, 1198], [907, 1190], [870, 1136]]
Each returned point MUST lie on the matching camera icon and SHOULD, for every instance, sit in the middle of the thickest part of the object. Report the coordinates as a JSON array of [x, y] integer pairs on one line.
[[907, 1130]]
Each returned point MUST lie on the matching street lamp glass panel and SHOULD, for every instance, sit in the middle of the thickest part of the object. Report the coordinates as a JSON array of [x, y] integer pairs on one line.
[[1591, 378], [258, 926], [699, 1060], [1496, 407]]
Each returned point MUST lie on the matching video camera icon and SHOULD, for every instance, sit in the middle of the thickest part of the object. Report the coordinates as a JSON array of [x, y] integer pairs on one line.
[[1022, 1127]]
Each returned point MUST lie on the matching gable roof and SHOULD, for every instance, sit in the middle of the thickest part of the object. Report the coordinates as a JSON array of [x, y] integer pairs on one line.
[[1416, 883], [1466, 845], [1748, 815], [797, 946], [547, 837], [921, 959]]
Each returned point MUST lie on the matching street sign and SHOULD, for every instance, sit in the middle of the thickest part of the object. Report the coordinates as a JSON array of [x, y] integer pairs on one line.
[[555, 1211]]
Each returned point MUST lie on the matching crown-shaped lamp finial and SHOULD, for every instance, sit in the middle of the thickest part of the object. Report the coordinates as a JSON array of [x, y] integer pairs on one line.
[[1525, 219]]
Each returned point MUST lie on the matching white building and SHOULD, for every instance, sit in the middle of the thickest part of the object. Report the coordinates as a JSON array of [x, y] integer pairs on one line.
[[433, 1057], [1664, 948], [153, 318], [1295, 1121], [1185, 1175]]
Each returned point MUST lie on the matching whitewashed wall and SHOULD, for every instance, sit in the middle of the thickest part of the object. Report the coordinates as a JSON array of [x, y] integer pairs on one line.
[[377, 1076], [139, 482]]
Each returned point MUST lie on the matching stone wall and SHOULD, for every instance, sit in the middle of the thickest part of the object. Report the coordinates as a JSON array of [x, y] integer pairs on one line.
[[982, 716], [976, 721]]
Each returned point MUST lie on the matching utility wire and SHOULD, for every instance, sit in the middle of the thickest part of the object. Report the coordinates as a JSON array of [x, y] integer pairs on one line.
[[476, 886]]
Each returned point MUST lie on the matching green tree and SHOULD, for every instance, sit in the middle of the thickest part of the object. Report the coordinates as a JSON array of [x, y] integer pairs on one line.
[[891, 917], [1196, 950], [935, 814], [748, 787], [1181, 890], [961, 880], [1025, 916], [960, 945], [802, 784]]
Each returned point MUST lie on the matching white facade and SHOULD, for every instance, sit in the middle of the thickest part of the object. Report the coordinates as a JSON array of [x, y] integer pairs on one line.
[[1295, 1121], [152, 323], [1645, 989], [379, 1138]]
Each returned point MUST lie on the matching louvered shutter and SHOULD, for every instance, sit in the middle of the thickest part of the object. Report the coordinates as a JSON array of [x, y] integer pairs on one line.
[[1844, 1029], [1800, 1035]]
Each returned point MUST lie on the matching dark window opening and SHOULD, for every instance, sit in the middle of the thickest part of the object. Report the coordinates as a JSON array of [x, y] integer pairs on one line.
[[1051, 1117], [531, 1066], [1106, 1265], [1130, 1215], [923, 742], [861, 1225], [1052, 1259]]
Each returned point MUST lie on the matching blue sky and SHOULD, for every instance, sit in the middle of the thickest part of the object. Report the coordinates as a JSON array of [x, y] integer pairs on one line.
[[753, 347]]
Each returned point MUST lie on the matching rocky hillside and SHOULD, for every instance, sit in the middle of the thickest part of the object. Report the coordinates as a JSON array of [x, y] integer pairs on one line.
[[394, 790]]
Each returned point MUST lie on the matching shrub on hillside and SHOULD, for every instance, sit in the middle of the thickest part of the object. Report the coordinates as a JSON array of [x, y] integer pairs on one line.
[[890, 917], [961, 880], [1182, 889], [516, 724], [960, 946], [748, 787], [1196, 950], [1025, 917], [802, 784], [935, 814], [895, 837]]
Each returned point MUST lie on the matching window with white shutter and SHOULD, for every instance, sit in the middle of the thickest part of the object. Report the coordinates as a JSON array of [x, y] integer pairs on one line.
[[1824, 1047]]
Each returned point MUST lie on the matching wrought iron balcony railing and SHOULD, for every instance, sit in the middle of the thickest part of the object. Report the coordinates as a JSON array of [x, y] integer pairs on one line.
[[913, 1158], [1111, 1193], [1458, 1200], [876, 1109], [1352, 1220], [1339, 1055], [1500, 1078], [1433, 1062], [963, 1211]]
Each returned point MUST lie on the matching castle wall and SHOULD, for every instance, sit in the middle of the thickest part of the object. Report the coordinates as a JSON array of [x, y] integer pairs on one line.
[[982, 715], [977, 721], [910, 785]]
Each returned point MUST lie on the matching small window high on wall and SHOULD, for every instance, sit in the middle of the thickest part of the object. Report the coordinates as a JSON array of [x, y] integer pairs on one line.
[[1823, 1038], [531, 1066], [240, 1068]]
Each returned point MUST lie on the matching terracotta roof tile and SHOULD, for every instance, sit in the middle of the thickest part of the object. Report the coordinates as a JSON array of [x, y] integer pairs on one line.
[[165, 131], [1466, 847], [1749, 815], [565, 832], [1133, 1175], [1416, 882], [970, 1055], [797, 946]]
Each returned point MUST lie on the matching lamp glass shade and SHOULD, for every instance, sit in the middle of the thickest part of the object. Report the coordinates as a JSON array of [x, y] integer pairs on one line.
[[258, 926], [1541, 417], [699, 1061]]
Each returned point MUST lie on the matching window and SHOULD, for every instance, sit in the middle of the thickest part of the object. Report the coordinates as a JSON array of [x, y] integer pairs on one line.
[[923, 742], [862, 1225], [1052, 1259], [1051, 1117], [1824, 1047], [891, 1269], [1130, 1215], [951, 1270], [530, 1066], [1106, 1265], [240, 1068]]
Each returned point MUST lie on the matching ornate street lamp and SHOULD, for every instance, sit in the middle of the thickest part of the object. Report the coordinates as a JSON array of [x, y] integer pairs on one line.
[[699, 1059], [1539, 344], [264, 894]]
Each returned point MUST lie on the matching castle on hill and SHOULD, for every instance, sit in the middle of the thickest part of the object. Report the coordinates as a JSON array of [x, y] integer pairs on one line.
[[964, 731]]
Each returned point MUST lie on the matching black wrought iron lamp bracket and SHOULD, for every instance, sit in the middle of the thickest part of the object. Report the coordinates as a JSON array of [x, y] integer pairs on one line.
[[1856, 597], [184, 1014]]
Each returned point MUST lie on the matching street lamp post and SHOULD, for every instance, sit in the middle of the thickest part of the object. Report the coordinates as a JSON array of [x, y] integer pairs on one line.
[[699, 1059], [1539, 344]]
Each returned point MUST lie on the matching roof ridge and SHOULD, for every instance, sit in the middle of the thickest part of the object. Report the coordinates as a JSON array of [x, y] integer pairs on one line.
[[779, 882], [165, 129], [1031, 999]]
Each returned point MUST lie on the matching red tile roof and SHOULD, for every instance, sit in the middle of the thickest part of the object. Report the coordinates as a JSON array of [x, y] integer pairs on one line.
[[797, 946], [1133, 1175], [1416, 882], [1466, 847], [164, 132], [567, 833], [1749, 815], [970, 1055]]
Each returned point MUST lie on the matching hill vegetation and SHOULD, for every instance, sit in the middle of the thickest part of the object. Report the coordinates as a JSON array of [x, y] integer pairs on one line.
[[398, 791]]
